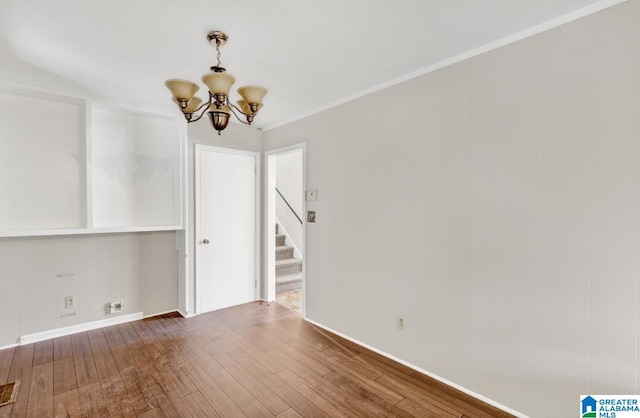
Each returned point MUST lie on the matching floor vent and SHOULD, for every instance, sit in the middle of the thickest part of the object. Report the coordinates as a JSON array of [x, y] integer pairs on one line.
[[8, 392]]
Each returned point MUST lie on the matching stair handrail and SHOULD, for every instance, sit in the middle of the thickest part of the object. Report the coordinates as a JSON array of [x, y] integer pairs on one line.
[[289, 206]]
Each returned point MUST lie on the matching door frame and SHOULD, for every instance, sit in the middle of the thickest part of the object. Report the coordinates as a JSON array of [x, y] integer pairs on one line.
[[269, 224], [197, 235]]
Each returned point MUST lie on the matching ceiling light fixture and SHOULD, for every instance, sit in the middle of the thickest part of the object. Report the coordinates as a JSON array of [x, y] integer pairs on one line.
[[219, 82]]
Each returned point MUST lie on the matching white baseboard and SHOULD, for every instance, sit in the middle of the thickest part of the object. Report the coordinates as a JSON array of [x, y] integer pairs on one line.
[[162, 313], [4, 347], [418, 369], [185, 314], [74, 329]]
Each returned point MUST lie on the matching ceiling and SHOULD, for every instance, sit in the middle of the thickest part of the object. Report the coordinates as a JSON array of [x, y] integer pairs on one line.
[[310, 54]]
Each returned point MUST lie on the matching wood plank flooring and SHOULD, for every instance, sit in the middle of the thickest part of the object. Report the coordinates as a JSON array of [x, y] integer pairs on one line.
[[253, 360]]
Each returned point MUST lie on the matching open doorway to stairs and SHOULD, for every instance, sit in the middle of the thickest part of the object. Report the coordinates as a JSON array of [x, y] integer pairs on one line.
[[285, 222]]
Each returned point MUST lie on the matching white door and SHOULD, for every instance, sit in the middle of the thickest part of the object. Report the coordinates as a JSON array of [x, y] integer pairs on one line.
[[225, 228]]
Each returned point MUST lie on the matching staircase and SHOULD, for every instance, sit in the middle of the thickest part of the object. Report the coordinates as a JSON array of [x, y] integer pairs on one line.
[[288, 268]]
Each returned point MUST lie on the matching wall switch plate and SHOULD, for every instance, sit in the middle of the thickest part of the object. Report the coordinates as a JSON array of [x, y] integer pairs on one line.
[[400, 322], [69, 302], [311, 195], [311, 216]]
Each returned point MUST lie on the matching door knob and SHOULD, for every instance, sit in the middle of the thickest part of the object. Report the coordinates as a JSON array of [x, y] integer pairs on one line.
[[205, 241]]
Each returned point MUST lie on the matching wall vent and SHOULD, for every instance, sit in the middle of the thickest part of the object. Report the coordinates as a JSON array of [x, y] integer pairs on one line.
[[8, 392]]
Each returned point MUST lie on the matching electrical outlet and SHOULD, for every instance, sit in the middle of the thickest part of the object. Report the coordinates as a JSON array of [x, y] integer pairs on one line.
[[400, 322], [69, 302], [115, 306]]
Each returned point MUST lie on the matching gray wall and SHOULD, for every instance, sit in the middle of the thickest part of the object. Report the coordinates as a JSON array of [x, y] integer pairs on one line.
[[37, 273], [494, 203]]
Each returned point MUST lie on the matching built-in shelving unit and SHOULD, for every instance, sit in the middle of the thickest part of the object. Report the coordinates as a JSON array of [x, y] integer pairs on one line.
[[75, 166]]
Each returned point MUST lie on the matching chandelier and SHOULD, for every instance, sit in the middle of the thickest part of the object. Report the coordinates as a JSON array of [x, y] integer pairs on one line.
[[219, 82]]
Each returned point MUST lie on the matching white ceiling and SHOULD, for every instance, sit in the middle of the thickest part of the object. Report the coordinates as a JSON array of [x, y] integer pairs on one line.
[[310, 54]]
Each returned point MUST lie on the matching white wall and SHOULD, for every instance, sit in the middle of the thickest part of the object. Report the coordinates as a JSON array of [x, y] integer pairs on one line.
[[235, 136], [497, 209], [36, 274], [289, 178], [289, 183], [16, 70]]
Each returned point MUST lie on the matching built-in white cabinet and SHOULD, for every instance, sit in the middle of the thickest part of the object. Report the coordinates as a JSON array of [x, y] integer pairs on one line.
[[41, 162], [70, 165], [135, 173]]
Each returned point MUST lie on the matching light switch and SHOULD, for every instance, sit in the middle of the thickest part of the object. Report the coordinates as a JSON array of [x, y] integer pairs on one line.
[[311, 216], [311, 195]]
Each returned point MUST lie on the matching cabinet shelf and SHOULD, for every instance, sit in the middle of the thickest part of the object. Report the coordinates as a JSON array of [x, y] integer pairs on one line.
[[71, 166]]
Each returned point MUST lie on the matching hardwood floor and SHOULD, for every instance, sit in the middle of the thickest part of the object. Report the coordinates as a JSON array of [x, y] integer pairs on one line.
[[254, 360]]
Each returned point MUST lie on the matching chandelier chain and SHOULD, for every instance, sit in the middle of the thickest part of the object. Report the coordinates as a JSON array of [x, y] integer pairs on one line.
[[218, 51]]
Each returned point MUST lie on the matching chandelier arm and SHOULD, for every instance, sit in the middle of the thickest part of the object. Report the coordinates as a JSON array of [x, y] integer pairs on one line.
[[205, 106], [231, 107]]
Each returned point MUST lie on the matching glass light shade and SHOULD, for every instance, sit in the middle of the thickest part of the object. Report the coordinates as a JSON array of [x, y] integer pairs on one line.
[[218, 82], [181, 89], [252, 94], [193, 105], [244, 107]]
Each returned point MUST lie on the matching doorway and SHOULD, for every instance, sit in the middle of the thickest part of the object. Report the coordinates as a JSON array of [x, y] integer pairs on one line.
[[226, 223], [286, 227]]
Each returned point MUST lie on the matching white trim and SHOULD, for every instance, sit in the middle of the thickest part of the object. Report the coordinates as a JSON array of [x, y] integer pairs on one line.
[[304, 231], [185, 315], [160, 313], [288, 149], [182, 235], [74, 329], [84, 231], [196, 156], [418, 369], [4, 347], [196, 235], [110, 106], [132, 229], [179, 172], [88, 165], [270, 281], [534, 30], [258, 218], [269, 248], [22, 88]]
